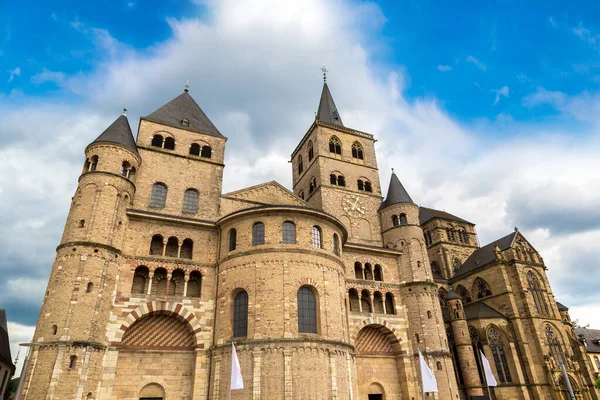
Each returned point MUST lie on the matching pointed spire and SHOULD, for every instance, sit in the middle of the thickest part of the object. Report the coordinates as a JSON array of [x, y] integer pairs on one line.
[[327, 110], [396, 193], [119, 132]]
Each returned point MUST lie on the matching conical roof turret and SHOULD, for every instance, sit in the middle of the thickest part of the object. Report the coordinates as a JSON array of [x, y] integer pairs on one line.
[[396, 193], [119, 132], [327, 111]]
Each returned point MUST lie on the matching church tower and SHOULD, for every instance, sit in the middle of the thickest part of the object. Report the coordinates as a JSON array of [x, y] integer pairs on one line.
[[401, 229], [335, 170], [70, 338]]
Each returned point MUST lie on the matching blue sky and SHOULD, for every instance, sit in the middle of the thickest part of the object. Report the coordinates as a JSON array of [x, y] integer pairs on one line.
[[487, 110]]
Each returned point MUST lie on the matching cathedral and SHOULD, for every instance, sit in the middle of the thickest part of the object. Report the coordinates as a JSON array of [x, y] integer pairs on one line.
[[328, 290]]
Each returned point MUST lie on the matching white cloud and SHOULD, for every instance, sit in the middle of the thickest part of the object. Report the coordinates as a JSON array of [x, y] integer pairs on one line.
[[48, 76], [444, 68], [552, 21], [13, 73], [19, 334], [476, 62], [586, 35], [500, 92]]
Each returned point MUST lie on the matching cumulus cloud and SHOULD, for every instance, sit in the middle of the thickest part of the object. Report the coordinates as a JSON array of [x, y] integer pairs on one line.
[[500, 92], [592, 39], [444, 68], [255, 72]]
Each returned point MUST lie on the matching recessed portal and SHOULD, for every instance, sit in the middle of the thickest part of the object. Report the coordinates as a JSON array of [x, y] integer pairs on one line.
[[375, 397]]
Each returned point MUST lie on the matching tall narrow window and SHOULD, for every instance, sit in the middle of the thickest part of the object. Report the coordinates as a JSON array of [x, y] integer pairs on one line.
[[232, 239], [477, 348], [93, 163], [190, 201], [307, 310], [389, 304], [288, 232], [169, 143], [357, 151], [194, 288], [240, 314], [90, 287], [206, 151], [539, 299], [368, 187], [482, 288], [187, 249], [159, 195], [336, 244], [172, 247], [140, 278], [395, 220], [341, 181], [403, 219], [358, 271], [157, 141], [258, 234], [556, 350], [316, 237], [597, 362], [311, 152], [156, 245], [335, 146], [499, 356], [125, 167], [360, 184], [442, 294], [333, 179], [300, 165], [313, 185], [377, 275], [73, 362], [195, 149]]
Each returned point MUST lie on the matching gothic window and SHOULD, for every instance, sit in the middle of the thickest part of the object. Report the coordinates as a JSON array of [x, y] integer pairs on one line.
[[156, 245], [597, 362], [451, 234], [190, 201], [554, 344], [301, 194], [357, 151], [240, 314], [159, 195], [169, 143], [360, 184], [377, 275], [140, 278], [313, 185], [497, 348], [336, 244], [258, 234], [172, 247], [403, 220], [428, 240], [187, 249], [358, 274], [195, 149], [455, 360], [300, 165], [389, 303], [477, 347], [157, 141], [368, 187], [125, 167], [464, 294], [395, 220], [288, 232], [311, 152], [442, 294], [307, 310], [463, 236], [232, 239], [539, 298], [335, 146], [316, 237], [482, 288], [206, 152], [194, 288]]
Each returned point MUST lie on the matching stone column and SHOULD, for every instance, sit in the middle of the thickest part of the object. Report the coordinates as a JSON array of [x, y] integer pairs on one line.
[[217, 380], [256, 375], [383, 302], [359, 301], [372, 300], [186, 279], [164, 252], [169, 276], [150, 276], [363, 270], [287, 372], [333, 373], [179, 250]]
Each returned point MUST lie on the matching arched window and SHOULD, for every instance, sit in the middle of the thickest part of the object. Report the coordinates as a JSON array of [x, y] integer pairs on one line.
[[240, 314], [403, 219], [194, 288], [395, 220], [288, 232], [258, 234], [187, 249], [450, 234], [377, 275], [365, 301], [389, 304], [190, 201], [232, 239], [316, 237], [555, 346], [428, 239], [169, 143], [353, 298], [497, 348], [177, 283], [125, 167], [140, 279], [377, 303], [300, 165], [438, 365], [206, 152], [54, 329], [336, 244], [159, 195], [417, 338], [156, 245], [358, 272], [368, 187], [172, 247], [442, 294], [313, 185], [157, 141], [307, 310], [335, 146], [311, 152], [341, 181], [429, 315], [301, 194], [360, 184], [159, 281], [93, 163], [357, 151], [195, 149], [477, 348], [89, 288], [463, 293], [482, 288], [368, 272], [73, 362], [333, 179], [539, 299], [435, 269]]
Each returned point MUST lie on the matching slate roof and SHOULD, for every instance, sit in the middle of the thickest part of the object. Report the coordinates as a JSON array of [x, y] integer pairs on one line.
[[562, 307], [480, 310], [119, 132], [592, 337], [485, 254], [426, 214], [327, 111], [5, 357], [184, 107], [396, 193]]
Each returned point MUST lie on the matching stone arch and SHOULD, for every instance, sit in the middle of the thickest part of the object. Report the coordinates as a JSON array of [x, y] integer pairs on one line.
[[376, 388], [153, 306], [383, 326], [307, 282], [364, 229], [152, 387]]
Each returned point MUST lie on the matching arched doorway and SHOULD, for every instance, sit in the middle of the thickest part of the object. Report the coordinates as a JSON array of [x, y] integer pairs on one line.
[[376, 392], [152, 391]]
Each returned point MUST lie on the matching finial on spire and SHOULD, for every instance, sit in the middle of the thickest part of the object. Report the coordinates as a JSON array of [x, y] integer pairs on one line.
[[187, 86], [392, 170], [516, 229], [325, 71], [125, 112]]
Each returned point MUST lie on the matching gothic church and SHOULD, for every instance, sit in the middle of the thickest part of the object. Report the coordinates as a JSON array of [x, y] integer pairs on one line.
[[327, 290]]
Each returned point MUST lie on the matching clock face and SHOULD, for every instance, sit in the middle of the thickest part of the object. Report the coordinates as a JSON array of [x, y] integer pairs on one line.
[[353, 205]]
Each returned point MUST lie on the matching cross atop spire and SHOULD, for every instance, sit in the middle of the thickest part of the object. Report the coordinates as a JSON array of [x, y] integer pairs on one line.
[[187, 86], [325, 71], [125, 112]]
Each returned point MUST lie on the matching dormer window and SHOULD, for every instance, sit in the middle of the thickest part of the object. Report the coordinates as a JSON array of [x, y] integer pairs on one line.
[[185, 122]]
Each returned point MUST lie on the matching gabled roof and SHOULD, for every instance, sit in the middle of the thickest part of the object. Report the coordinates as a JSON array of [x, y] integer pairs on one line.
[[5, 357], [396, 193], [119, 132], [562, 307], [592, 338], [485, 255], [183, 107], [268, 193], [480, 310], [426, 214], [327, 111]]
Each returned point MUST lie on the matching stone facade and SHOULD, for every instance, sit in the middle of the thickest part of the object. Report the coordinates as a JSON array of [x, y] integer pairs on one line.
[[327, 292]]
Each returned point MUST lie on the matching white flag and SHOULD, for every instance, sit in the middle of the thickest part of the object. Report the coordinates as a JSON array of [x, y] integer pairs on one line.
[[489, 377], [237, 382], [427, 377]]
